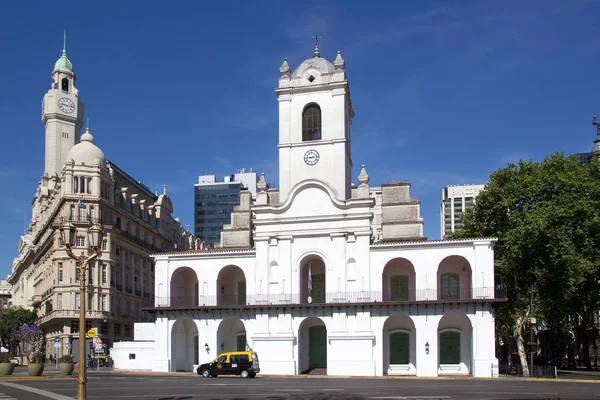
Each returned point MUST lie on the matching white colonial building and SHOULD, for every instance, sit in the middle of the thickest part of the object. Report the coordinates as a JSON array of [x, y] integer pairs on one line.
[[321, 275]]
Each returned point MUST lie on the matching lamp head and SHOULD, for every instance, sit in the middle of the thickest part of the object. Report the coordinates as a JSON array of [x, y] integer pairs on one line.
[[67, 232], [94, 233]]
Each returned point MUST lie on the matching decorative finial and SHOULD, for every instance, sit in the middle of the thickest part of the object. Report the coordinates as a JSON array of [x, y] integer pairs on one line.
[[285, 68], [87, 128], [316, 53], [262, 183], [597, 124], [363, 177], [339, 61], [165, 190]]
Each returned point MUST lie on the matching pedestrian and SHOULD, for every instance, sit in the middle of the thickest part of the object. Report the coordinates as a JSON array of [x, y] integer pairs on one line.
[[51, 359]]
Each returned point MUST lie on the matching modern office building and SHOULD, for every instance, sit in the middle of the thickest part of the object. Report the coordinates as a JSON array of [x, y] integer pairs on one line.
[[215, 200], [454, 201], [307, 279], [80, 186], [5, 294]]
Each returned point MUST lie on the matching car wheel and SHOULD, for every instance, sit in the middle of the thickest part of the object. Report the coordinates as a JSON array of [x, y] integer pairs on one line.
[[214, 375], [205, 373], [244, 374], [252, 374]]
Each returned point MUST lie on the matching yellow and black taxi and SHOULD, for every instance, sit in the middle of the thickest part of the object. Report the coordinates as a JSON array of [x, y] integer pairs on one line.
[[242, 363]]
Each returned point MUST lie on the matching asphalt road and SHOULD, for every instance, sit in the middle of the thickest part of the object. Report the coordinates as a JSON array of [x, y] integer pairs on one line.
[[111, 386]]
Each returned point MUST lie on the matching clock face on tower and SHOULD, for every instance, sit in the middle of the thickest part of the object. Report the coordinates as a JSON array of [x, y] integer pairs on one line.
[[311, 157], [66, 105]]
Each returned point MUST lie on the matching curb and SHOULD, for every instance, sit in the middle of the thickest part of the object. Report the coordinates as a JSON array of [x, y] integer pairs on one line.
[[36, 378]]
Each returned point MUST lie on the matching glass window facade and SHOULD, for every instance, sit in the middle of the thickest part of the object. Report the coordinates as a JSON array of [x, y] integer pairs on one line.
[[212, 209]]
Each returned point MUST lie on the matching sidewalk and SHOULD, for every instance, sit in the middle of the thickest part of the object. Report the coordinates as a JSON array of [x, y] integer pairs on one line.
[[52, 370]]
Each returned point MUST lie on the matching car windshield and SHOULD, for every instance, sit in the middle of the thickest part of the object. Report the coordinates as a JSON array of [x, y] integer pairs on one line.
[[221, 359]]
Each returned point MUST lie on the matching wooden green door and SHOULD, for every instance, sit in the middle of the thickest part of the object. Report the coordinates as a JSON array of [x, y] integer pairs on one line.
[[241, 343], [317, 347], [318, 288], [241, 293]]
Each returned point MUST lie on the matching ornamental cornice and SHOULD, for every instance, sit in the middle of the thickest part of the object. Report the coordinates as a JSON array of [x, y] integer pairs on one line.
[[311, 143]]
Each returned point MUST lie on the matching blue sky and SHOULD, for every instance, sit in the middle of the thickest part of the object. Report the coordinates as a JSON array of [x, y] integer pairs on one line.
[[444, 92]]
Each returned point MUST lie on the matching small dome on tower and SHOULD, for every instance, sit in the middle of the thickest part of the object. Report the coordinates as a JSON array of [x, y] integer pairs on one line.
[[86, 152], [63, 63], [323, 65]]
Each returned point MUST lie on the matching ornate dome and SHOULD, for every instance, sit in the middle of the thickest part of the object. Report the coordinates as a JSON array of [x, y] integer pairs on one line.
[[86, 152], [63, 63], [321, 64]]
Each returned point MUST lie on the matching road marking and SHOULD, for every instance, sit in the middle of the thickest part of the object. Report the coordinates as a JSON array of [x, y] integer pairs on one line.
[[37, 391], [409, 397], [6, 397]]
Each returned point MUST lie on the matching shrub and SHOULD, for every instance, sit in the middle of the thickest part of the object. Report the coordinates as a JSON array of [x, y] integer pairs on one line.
[[4, 358], [67, 358], [36, 358]]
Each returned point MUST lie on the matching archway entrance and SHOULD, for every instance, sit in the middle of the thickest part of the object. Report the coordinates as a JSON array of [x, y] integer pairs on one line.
[[313, 346], [184, 345], [312, 278], [231, 286], [184, 287], [231, 335], [455, 341], [399, 346]]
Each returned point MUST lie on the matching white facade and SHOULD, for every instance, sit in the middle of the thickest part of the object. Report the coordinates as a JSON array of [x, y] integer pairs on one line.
[[454, 201], [321, 288]]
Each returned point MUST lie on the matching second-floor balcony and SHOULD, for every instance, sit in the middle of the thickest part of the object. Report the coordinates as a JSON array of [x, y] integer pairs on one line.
[[411, 296]]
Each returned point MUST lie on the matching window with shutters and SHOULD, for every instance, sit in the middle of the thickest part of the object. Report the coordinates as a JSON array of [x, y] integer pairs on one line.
[[399, 287], [450, 347], [450, 286], [399, 348]]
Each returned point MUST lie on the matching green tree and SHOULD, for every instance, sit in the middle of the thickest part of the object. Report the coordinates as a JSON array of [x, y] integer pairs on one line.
[[546, 217], [10, 320]]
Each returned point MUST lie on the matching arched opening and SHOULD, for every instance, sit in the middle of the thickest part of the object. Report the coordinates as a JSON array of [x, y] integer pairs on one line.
[[454, 279], [398, 280], [184, 346], [231, 336], [231, 286], [311, 122], [312, 348], [184, 287], [454, 344], [399, 346], [65, 85], [312, 280]]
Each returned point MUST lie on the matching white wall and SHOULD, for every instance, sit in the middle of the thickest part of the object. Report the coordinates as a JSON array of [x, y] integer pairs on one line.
[[142, 351]]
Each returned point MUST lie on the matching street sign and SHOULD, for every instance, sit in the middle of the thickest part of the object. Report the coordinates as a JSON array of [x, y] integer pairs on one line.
[[56, 340], [56, 345], [91, 333], [97, 340]]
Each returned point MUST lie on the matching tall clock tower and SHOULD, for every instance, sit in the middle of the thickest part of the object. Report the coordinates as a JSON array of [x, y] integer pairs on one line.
[[315, 114], [62, 114]]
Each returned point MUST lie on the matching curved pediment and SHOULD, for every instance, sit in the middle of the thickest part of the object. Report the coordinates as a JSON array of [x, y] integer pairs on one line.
[[309, 197]]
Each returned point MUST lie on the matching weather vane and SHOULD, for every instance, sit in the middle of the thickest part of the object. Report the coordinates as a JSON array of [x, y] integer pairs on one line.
[[316, 38]]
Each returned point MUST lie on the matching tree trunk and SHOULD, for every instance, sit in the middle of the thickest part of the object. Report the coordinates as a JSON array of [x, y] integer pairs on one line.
[[518, 333]]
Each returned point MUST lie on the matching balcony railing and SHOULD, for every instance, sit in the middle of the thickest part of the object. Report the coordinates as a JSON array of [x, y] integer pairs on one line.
[[466, 294]]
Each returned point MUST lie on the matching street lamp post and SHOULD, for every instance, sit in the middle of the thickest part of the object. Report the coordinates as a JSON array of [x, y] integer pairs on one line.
[[68, 232]]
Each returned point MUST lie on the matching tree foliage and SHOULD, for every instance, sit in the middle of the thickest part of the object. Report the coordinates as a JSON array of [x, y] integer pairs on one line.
[[546, 217], [10, 321]]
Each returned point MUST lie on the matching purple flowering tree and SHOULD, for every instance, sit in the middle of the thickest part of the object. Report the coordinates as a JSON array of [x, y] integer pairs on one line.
[[31, 335]]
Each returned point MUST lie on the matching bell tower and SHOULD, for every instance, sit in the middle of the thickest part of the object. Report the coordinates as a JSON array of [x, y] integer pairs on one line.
[[315, 114], [62, 115]]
